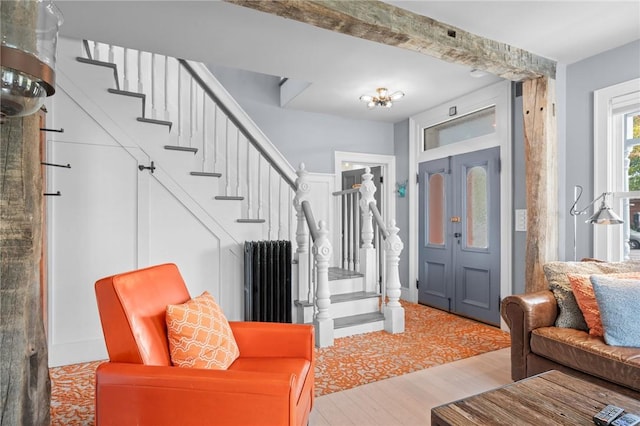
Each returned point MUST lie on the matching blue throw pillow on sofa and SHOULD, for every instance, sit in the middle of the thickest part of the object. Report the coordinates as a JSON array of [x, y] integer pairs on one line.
[[618, 300]]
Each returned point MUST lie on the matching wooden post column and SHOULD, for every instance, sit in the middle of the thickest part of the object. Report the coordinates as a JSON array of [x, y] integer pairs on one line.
[[540, 136], [25, 388]]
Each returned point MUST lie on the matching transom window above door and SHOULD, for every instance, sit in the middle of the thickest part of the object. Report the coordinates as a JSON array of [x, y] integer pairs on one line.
[[473, 125]]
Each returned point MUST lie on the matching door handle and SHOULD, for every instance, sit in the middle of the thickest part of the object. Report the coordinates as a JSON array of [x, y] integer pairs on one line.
[[457, 235]]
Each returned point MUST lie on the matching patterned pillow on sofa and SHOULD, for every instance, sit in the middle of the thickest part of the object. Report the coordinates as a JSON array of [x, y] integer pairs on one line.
[[569, 313]]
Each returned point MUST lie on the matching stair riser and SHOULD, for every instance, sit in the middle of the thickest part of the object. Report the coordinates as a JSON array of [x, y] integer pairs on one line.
[[354, 307], [358, 329], [346, 285]]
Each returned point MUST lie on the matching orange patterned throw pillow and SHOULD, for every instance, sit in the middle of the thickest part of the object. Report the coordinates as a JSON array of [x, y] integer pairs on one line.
[[200, 335], [583, 292], [585, 296]]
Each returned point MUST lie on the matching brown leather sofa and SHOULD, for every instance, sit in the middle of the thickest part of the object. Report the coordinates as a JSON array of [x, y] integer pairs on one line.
[[538, 346]]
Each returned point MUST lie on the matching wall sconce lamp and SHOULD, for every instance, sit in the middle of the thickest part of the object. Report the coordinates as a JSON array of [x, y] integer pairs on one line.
[[28, 58], [602, 216]]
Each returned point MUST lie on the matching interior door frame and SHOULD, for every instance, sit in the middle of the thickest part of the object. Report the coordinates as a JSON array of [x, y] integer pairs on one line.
[[388, 163], [498, 95]]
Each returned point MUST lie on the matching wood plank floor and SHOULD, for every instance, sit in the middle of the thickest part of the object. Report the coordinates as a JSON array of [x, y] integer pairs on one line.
[[408, 399]]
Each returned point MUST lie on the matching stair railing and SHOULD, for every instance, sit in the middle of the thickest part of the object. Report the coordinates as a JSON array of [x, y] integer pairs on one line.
[[313, 265], [379, 248], [204, 119]]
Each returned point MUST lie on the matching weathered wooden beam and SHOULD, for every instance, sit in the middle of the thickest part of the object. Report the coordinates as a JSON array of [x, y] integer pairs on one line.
[[540, 137], [384, 23], [25, 388]]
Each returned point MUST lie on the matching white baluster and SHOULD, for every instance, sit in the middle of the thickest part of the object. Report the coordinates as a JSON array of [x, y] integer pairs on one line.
[[249, 182], [270, 202], [126, 85], [367, 252], [154, 112], [140, 86], [96, 51], [166, 88], [205, 147], [323, 322], [111, 54], [238, 162], [227, 169], [215, 135], [280, 213], [192, 109], [345, 230], [350, 234], [393, 312], [260, 210], [179, 104], [356, 262]]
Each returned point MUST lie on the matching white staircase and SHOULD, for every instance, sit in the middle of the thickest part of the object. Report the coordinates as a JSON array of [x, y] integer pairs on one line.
[[199, 145]]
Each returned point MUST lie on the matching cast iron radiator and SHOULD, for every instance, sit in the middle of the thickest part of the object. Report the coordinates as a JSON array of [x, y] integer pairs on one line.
[[267, 281]]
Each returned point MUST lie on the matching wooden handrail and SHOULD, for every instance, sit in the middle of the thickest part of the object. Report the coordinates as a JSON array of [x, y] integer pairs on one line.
[[378, 218], [311, 222]]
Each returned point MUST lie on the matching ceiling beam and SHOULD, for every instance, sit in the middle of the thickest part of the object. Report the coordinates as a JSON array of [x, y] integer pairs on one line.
[[387, 24]]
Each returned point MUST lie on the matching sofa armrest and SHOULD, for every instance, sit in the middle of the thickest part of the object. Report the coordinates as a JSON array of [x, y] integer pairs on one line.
[[268, 339], [524, 313], [149, 395]]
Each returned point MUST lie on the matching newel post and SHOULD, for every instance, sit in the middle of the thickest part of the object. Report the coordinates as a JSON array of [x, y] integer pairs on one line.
[[322, 321], [302, 236], [367, 251], [393, 311]]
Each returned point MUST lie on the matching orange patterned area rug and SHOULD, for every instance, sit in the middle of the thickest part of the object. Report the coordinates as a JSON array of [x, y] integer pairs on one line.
[[431, 338]]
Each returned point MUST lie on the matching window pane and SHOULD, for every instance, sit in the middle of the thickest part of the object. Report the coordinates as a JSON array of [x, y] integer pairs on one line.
[[436, 209], [472, 125], [477, 201]]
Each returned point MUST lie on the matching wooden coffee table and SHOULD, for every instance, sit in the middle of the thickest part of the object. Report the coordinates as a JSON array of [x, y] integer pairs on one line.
[[550, 398]]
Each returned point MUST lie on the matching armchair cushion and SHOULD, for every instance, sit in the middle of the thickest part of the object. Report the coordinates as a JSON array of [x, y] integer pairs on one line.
[[199, 334]]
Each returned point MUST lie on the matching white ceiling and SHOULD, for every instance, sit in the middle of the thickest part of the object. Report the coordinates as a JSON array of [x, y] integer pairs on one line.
[[340, 68]]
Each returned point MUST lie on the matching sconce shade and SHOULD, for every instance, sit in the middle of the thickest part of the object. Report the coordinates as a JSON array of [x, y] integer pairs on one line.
[[605, 216]]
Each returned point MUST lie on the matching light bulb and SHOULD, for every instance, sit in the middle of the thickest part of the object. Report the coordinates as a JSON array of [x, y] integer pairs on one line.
[[396, 95], [366, 98]]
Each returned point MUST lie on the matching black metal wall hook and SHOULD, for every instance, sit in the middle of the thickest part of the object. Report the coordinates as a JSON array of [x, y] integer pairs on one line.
[[151, 167], [44, 129], [68, 166]]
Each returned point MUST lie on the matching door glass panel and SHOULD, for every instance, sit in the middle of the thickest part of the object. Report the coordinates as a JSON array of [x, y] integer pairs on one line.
[[477, 203], [470, 126], [435, 208]]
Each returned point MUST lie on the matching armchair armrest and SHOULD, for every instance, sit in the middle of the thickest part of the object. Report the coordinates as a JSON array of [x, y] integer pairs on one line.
[[149, 395], [266, 339], [524, 313]]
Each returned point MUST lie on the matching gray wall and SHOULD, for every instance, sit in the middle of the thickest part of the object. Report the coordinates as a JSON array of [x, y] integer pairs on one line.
[[401, 151], [582, 78], [302, 136]]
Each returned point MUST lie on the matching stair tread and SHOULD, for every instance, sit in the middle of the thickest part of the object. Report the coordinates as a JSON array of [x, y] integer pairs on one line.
[[357, 295], [127, 93], [336, 273], [357, 319], [154, 121], [180, 148], [228, 197], [207, 174], [251, 221]]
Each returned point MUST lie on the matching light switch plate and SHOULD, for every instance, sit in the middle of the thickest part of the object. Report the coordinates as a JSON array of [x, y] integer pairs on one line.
[[521, 220]]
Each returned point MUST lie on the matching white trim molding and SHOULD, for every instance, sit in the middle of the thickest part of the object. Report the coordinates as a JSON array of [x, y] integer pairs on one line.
[[609, 104], [497, 95]]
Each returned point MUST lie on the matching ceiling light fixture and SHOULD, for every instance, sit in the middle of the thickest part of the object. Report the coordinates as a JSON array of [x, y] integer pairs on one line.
[[382, 99]]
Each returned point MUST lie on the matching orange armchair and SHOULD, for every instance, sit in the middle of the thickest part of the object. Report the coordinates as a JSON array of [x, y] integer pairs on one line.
[[271, 383]]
